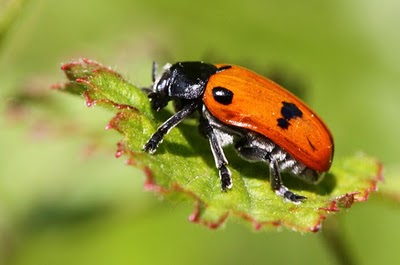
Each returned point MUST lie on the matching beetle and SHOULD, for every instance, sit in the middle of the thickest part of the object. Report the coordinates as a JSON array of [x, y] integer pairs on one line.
[[261, 119]]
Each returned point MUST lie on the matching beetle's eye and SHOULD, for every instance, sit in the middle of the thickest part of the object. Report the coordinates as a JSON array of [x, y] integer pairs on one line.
[[222, 95]]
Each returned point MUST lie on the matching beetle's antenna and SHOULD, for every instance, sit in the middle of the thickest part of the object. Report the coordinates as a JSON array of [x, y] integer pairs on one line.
[[155, 67]]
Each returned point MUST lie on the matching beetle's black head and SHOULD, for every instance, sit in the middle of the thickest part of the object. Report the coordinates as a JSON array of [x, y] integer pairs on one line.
[[180, 81]]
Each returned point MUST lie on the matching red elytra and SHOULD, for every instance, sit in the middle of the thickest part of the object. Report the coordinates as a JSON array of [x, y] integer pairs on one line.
[[257, 106]]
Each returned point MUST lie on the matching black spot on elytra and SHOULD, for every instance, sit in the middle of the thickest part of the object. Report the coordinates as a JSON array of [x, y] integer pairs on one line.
[[284, 124], [289, 111], [222, 95]]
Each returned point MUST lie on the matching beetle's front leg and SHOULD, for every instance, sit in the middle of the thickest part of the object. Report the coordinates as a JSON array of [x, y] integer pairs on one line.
[[174, 120], [218, 153]]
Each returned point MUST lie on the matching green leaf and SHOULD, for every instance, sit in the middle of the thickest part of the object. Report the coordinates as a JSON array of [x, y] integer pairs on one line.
[[183, 168]]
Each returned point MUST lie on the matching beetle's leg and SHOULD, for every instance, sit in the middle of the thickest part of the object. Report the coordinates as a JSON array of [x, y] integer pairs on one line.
[[278, 187], [254, 149], [158, 136], [154, 71], [218, 153], [249, 151]]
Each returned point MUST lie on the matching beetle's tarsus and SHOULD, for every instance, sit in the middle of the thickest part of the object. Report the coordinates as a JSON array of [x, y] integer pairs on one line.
[[154, 141], [290, 196], [225, 176], [150, 146]]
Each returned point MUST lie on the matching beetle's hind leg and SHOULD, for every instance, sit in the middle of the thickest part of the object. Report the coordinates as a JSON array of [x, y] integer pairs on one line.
[[255, 148], [279, 188]]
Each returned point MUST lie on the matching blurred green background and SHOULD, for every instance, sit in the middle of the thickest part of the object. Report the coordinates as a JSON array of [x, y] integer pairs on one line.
[[65, 199]]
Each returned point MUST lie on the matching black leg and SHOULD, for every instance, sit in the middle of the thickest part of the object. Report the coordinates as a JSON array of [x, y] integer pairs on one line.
[[218, 153], [249, 152], [154, 72], [255, 149], [279, 188], [158, 136]]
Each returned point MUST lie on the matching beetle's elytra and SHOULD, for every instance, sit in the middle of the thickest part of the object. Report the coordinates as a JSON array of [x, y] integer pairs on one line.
[[261, 119]]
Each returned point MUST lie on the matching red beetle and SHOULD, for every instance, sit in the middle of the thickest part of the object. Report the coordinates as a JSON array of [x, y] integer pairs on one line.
[[264, 121]]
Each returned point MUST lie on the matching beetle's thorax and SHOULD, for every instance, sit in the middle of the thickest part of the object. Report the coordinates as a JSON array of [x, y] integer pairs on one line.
[[184, 80]]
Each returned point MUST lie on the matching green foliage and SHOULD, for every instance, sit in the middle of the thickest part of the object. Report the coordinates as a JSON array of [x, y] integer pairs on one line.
[[8, 16], [182, 167]]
